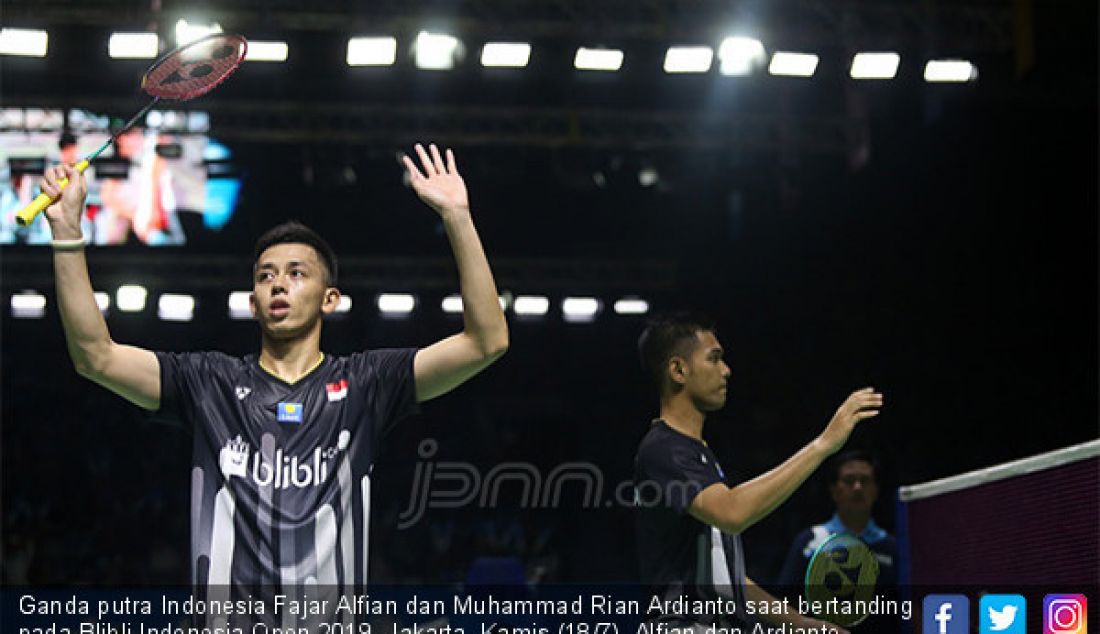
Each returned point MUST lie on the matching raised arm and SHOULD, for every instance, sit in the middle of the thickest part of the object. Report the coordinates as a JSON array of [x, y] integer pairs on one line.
[[130, 372], [446, 364], [735, 509]]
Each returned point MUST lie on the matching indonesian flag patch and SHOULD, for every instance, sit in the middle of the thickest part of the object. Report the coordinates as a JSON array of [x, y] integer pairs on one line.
[[337, 391]]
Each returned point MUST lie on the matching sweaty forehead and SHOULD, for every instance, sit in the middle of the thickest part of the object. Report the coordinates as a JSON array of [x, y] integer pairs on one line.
[[280, 254]]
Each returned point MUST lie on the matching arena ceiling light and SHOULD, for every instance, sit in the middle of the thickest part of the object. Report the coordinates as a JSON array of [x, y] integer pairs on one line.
[[133, 45], [103, 301], [950, 71], [396, 303], [875, 65], [344, 305], [739, 56], [580, 309], [688, 59], [435, 51], [452, 304], [266, 51], [786, 64], [372, 51], [130, 298], [505, 54], [605, 59], [175, 307], [239, 305], [24, 42], [28, 305], [187, 32], [531, 305], [631, 306]]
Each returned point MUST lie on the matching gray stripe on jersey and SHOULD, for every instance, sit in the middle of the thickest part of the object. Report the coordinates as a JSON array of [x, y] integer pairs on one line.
[[738, 561], [264, 520], [702, 560], [288, 574], [719, 570], [221, 550], [364, 488], [347, 529], [324, 539], [200, 546]]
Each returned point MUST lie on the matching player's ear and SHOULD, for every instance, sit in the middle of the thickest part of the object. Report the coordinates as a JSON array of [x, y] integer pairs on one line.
[[677, 370], [331, 300], [252, 304]]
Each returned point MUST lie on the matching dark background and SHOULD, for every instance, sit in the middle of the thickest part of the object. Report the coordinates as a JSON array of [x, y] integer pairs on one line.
[[955, 269]]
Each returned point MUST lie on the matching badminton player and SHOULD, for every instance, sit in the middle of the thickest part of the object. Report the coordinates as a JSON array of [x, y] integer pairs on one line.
[[284, 440], [689, 520]]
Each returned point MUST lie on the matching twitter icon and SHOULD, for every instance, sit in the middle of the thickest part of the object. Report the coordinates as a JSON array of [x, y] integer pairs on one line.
[[1003, 613]]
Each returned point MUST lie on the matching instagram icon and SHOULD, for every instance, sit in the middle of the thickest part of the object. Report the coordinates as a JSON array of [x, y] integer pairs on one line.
[[1065, 614]]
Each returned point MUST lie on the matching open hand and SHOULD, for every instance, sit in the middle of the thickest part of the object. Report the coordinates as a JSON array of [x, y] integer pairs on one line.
[[858, 407], [439, 185]]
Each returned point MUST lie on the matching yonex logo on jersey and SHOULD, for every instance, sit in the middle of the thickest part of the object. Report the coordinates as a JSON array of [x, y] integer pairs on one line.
[[243, 392], [337, 391], [289, 413]]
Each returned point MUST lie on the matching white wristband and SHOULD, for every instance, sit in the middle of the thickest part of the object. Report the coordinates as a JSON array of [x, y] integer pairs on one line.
[[68, 245]]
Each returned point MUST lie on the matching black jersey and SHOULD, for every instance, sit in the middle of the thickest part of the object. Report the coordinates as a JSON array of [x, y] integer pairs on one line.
[[281, 473], [681, 557]]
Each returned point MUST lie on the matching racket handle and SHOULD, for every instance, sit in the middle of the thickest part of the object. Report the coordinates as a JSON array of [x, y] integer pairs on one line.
[[27, 215]]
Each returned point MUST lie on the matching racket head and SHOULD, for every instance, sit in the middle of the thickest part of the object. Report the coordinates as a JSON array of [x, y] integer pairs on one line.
[[842, 567], [195, 69]]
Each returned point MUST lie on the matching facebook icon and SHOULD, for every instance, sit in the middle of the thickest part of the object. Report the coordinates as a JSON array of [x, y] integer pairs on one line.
[[946, 614]]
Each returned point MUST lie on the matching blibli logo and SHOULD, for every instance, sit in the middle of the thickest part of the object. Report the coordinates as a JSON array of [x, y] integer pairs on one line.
[[283, 471]]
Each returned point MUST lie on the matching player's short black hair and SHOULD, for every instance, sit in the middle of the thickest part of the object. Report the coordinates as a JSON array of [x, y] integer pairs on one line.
[[832, 469], [668, 335], [296, 232], [67, 139]]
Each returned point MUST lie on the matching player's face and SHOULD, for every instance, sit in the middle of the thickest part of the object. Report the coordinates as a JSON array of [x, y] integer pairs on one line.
[[855, 490], [289, 295], [708, 375]]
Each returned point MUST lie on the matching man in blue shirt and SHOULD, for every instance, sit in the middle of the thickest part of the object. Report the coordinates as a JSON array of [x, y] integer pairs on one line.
[[853, 486]]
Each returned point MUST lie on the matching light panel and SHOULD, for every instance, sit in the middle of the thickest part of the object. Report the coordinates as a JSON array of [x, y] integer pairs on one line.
[[580, 309], [24, 42], [605, 59], [435, 51], [396, 303], [239, 305], [130, 298], [187, 32], [505, 54], [688, 59], [786, 64], [133, 45], [531, 305], [267, 51], [950, 71], [28, 305], [739, 56], [631, 306], [372, 51], [176, 307], [875, 65]]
